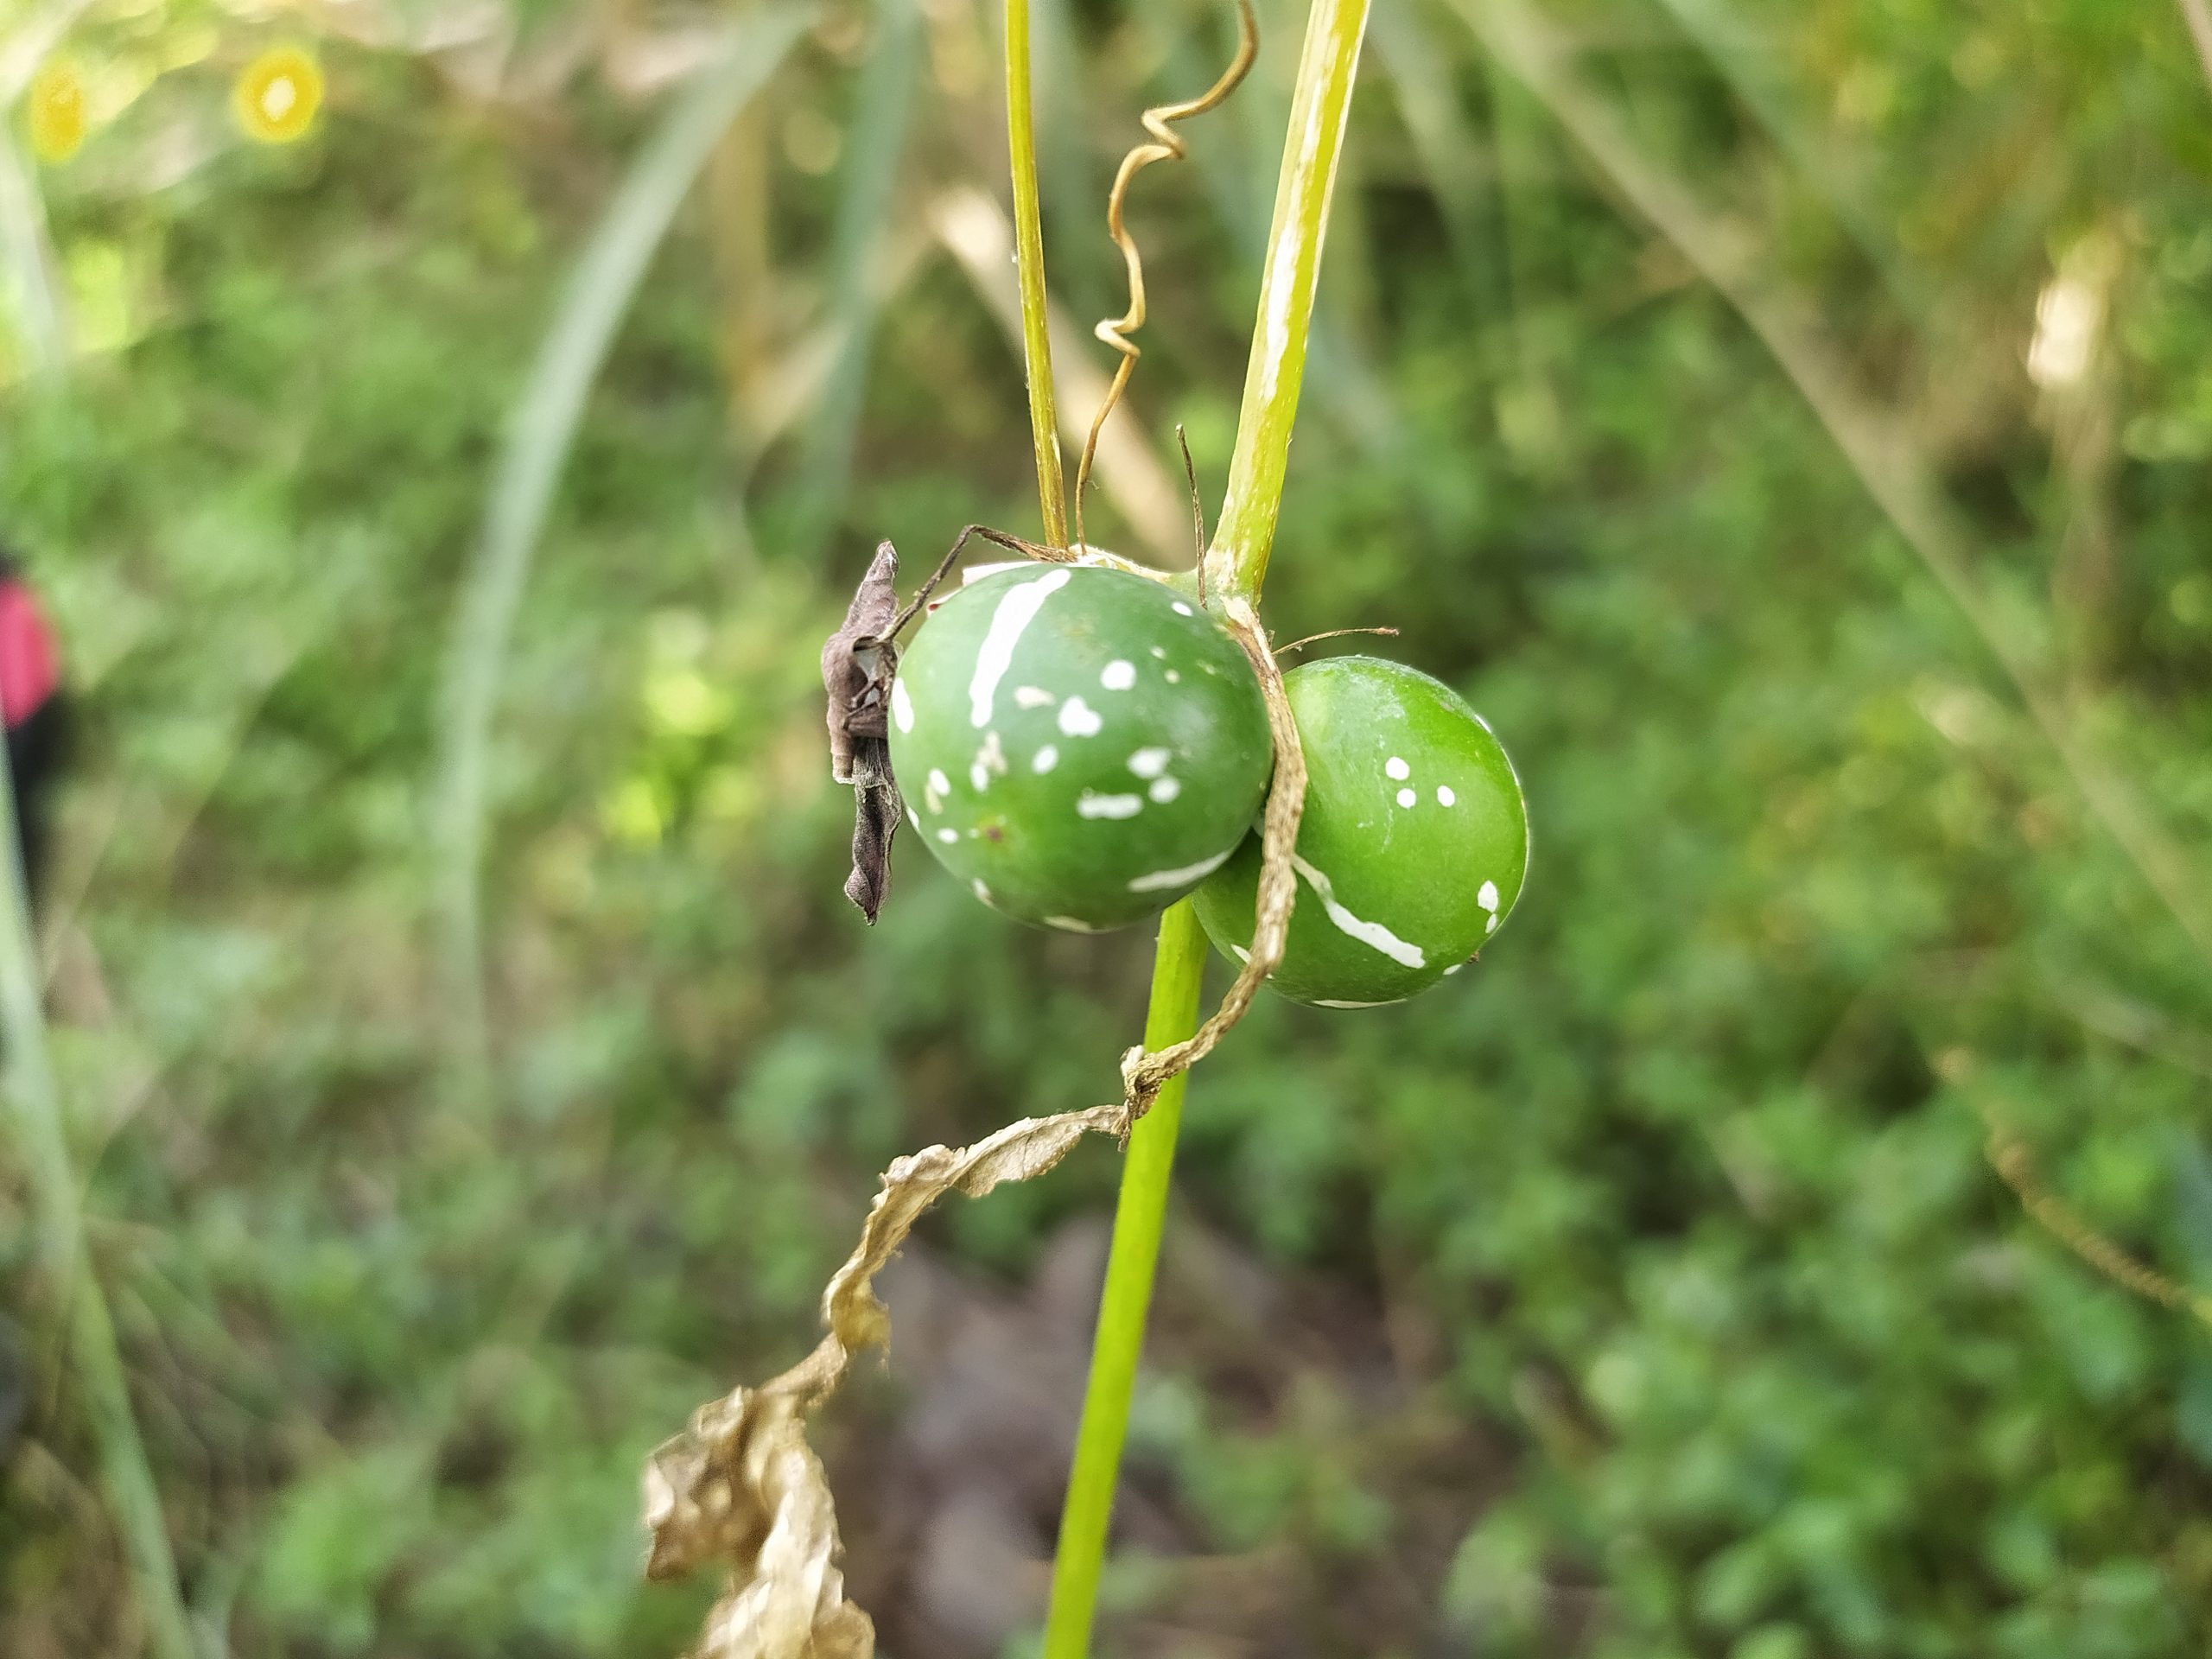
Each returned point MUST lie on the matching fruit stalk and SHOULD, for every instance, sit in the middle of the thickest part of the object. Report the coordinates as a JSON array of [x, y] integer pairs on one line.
[[1237, 563], [1029, 261]]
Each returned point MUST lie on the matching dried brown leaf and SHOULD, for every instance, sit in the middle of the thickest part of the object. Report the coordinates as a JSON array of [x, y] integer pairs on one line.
[[741, 1487]]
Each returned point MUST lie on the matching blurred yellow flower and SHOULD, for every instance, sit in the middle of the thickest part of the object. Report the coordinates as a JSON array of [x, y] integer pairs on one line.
[[277, 95], [57, 110]]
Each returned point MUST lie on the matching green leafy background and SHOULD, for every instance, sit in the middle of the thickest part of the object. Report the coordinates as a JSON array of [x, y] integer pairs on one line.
[[1644, 1292]]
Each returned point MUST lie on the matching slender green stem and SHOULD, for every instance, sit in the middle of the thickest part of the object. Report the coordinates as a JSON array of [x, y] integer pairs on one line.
[[1239, 560], [1177, 966], [1029, 260], [35, 1096]]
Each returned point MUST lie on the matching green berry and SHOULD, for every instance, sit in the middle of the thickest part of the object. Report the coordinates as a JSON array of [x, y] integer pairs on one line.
[[1412, 848], [1080, 744]]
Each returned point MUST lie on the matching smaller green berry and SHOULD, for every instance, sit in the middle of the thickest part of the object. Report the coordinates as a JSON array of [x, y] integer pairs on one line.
[[1412, 848]]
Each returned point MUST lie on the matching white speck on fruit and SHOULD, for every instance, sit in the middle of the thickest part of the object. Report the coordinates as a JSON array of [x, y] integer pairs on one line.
[[1388, 1001], [982, 892], [1118, 675], [1046, 760], [1488, 897], [1079, 719], [948, 834], [990, 759], [939, 787], [1453, 968], [1445, 797], [1161, 881], [1033, 697], [1164, 790], [1015, 612], [914, 818], [1174, 678], [1489, 927], [902, 706], [1240, 953], [1069, 925], [1092, 804], [1397, 768], [1159, 650], [1150, 763], [1407, 797], [1181, 609], [1372, 934]]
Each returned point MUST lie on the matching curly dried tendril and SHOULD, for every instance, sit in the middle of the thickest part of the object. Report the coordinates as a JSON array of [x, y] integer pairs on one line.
[[1166, 145]]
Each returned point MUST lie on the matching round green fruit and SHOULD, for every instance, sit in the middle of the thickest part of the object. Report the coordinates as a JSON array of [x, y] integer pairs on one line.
[[1081, 746], [1412, 848]]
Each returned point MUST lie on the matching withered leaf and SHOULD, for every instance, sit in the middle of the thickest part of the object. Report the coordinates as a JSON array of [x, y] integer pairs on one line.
[[741, 1487], [859, 663]]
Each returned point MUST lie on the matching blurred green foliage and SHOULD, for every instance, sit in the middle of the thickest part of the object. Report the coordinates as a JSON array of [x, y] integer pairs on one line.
[[1686, 1181]]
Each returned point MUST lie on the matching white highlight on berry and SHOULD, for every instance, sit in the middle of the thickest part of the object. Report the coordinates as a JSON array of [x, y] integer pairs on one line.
[[948, 834], [1159, 650], [902, 706], [1407, 797], [1079, 719], [1164, 790], [1033, 697], [1161, 880], [1150, 763], [1045, 760], [1453, 968], [1092, 804], [1015, 612], [1388, 1001], [1174, 678], [914, 818], [1445, 797], [1487, 898], [982, 892], [1181, 609], [1397, 769], [1371, 934], [1118, 675], [938, 788], [1069, 925]]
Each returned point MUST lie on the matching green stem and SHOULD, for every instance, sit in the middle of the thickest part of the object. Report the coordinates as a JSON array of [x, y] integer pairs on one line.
[[1029, 259], [1334, 30], [1246, 534], [131, 1492], [1177, 966]]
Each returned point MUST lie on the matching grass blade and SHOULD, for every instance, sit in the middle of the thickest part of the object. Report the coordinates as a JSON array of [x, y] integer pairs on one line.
[[543, 429]]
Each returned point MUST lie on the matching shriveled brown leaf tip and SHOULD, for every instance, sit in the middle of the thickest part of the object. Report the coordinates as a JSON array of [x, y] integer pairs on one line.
[[742, 1488]]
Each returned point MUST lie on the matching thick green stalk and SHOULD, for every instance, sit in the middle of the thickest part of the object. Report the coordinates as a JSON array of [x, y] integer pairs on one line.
[[1246, 534], [1029, 261], [1334, 30], [1178, 967]]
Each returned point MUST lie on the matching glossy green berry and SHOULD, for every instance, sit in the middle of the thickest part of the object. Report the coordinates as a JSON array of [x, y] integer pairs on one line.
[[1414, 844], [1080, 744]]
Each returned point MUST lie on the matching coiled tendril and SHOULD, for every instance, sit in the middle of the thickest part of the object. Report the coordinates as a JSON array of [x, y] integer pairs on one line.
[[1166, 145]]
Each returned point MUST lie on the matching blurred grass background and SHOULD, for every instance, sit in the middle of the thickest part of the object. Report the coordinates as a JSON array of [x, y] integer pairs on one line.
[[1787, 423]]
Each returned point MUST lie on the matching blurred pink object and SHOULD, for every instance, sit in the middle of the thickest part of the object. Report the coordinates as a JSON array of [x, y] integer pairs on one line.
[[30, 669]]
